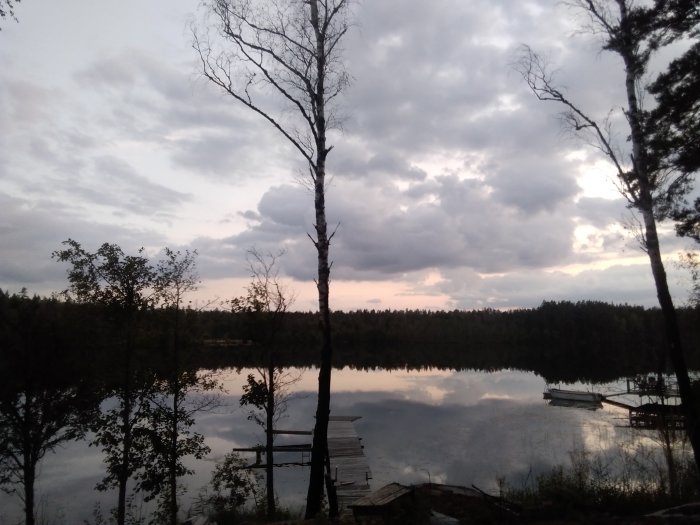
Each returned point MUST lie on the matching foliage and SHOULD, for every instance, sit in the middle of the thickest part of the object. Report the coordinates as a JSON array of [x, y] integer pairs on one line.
[[233, 486], [691, 261], [169, 438], [108, 276], [627, 483], [175, 275], [256, 394], [145, 430]]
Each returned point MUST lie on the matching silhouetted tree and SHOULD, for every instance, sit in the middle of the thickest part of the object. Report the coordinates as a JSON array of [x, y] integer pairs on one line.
[[266, 302], [632, 32], [40, 408], [177, 397], [233, 485], [125, 285], [292, 50]]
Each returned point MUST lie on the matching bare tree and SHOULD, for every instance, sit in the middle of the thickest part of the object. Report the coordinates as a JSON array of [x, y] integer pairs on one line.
[[633, 32], [267, 301], [283, 55]]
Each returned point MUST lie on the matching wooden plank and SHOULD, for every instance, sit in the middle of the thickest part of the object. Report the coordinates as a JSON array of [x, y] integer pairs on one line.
[[348, 463]]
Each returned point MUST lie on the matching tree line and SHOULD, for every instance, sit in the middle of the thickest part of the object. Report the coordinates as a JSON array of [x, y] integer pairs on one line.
[[561, 341]]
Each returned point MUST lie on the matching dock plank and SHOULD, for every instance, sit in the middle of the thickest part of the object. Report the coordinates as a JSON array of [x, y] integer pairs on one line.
[[349, 466]]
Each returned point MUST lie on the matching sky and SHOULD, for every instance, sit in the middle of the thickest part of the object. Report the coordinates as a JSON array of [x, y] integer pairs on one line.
[[451, 185]]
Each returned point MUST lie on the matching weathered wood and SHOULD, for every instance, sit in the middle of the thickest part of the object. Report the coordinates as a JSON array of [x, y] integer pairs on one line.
[[293, 432], [348, 463]]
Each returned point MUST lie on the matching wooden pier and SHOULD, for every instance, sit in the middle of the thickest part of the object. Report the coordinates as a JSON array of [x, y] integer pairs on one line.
[[348, 464]]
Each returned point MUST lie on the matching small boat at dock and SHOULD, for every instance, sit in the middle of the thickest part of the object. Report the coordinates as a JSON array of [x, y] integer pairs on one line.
[[573, 396]]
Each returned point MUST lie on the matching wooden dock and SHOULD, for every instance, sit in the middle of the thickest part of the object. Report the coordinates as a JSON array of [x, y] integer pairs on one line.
[[348, 464]]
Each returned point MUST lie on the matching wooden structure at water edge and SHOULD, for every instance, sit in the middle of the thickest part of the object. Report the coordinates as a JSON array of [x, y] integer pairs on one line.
[[349, 469], [347, 465]]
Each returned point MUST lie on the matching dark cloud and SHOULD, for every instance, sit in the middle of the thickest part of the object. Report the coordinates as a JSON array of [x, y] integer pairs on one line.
[[533, 183], [30, 231]]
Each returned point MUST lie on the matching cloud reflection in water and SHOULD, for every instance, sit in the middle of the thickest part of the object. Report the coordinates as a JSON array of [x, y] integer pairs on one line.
[[447, 426]]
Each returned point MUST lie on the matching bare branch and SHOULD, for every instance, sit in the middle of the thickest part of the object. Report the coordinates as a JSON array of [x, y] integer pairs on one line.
[[534, 71]]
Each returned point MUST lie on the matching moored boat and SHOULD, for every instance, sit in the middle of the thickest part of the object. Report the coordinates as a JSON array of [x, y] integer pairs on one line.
[[558, 394]]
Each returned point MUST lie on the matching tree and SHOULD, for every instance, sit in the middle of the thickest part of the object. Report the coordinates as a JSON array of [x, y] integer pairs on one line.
[[40, 407], [124, 285], [266, 302], [170, 412], [634, 32], [691, 262], [290, 49], [675, 129], [233, 485]]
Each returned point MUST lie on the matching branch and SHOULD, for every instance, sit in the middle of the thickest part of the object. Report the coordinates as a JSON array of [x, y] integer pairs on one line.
[[225, 82], [533, 69]]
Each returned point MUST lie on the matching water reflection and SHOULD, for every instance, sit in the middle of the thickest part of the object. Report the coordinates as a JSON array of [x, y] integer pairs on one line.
[[450, 427]]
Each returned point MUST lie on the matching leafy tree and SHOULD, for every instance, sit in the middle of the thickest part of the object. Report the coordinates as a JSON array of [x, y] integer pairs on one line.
[[634, 32], [233, 485], [168, 438], [292, 51], [675, 130], [172, 406], [125, 285], [170, 413]]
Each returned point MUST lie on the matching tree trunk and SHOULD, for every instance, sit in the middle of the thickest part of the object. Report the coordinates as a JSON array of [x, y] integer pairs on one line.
[[123, 475], [269, 438], [29, 476], [319, 450], [125, 463], [643, 201], [29, 458], [172, 467], [675, 349]]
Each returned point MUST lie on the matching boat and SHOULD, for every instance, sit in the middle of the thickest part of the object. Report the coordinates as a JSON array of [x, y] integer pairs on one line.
[[574, 396]]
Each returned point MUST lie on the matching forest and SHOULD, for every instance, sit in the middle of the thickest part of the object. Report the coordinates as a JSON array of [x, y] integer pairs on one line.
[[561, 341]]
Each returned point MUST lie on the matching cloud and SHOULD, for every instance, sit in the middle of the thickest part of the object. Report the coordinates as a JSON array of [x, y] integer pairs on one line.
[[31, 230], [446, 164]]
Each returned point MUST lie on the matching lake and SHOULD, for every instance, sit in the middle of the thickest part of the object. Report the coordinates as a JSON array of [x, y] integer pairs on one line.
[[443, 426]]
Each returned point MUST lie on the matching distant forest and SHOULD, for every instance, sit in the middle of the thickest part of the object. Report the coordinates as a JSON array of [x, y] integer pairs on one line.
[[561, 341]]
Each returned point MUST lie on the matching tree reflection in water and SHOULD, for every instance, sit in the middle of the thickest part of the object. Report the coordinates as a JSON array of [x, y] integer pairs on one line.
[[457, 427]]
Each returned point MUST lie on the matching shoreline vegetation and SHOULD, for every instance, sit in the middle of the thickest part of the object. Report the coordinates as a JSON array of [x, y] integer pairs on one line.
[[50, 347], [560, 341]]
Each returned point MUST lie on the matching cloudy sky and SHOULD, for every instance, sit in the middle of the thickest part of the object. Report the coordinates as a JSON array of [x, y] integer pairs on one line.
[[452, 186]]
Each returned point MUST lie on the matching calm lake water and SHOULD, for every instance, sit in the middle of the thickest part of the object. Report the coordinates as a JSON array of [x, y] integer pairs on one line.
[[456, 427]]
